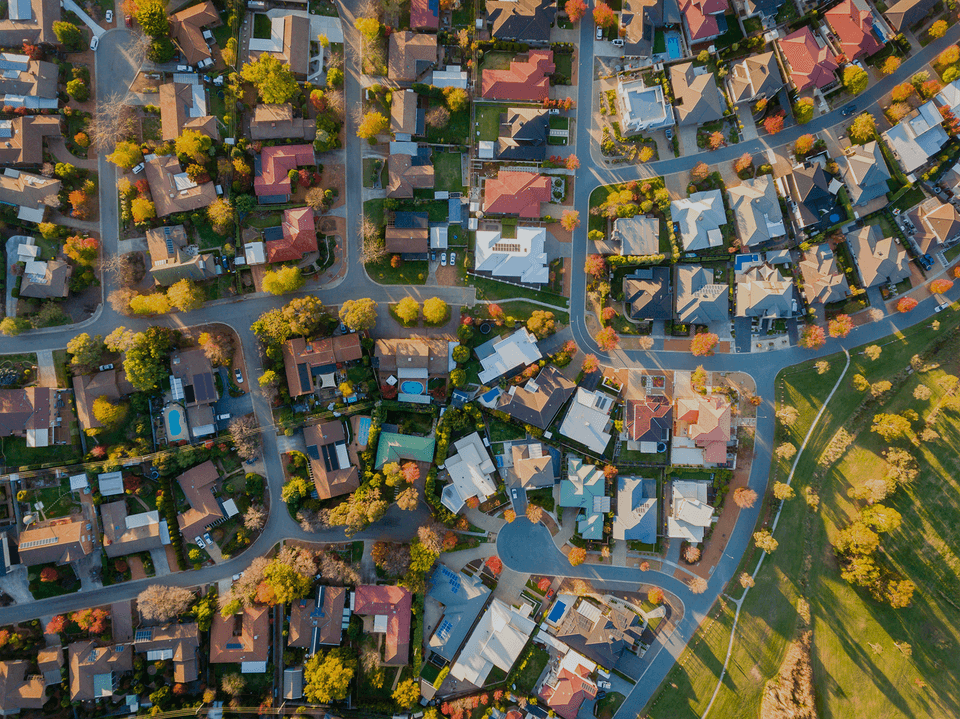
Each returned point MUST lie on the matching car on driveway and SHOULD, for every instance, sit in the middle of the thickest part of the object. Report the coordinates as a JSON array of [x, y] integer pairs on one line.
[[599, 33], [199, 542], [926, 262], [207, 538], [669, 133], [239, 375], [443, 259], [453, 258], [109, 15], [515, 493], [433, 256], [94, 42]]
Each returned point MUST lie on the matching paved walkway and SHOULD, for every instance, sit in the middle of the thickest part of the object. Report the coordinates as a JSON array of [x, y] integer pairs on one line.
[[46, 368], [59, 150], [80, 13], [620, 553], [11, 305], [458, 560], [484, 521], [749, 131]]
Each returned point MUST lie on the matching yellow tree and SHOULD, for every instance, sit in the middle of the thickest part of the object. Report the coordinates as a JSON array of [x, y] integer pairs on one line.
[[373, 124], [156, 304], [408, 310], [194, 145], [185, 295], [435, 310], [286, 279]]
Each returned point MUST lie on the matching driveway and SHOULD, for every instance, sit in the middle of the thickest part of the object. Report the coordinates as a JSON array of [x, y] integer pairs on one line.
[[234, 406], [80, 13], [688, 140]]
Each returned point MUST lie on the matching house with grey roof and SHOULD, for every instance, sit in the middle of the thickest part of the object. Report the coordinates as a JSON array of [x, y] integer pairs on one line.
[[584, 489], [700, 300], [865, 172], [587, 421], [917, 137], [521, 20], [696, 96], [756, 208], [647, 292], [700, 217], [814, 198], [880, 260], [523, 134], [763, 292], [642, 107], [823, 281], [636, 518], [538, 400], [458, 599], [754, 77], [637, 235], [641, 18]]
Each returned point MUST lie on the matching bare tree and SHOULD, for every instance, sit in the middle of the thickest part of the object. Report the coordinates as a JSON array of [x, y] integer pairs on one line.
[[429, 535], [162, 603], [334, 569], [646, 342], [233, 684], [373, 248], [255, 517], [112, 122], [310, 521], [335, 101], [120, 300], [744, 497], [246, 436], [698, 585], [127, 268]]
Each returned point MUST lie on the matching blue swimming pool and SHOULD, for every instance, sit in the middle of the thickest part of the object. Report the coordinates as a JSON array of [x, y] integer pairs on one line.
[[363, 431], [673, 47], [556, 612], [410, 387], [173, 419]]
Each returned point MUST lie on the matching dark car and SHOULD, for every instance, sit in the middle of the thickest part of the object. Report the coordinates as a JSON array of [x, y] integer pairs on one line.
[[848, 110], [926, 262]]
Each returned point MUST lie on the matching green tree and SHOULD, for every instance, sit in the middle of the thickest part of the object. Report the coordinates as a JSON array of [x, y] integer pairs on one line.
[[107, 413], [269, 379], [286, 279], [358, 511], [327, 677], [77, 89], [359, 314], [335, 77], [890, 426], [457, 98], [68, 35], [86, 350], [435, 310], [272, 328], [458, 378], [407, 693], [305, 315], [145, 360], [286, 582], [221, 216], [152, 18], [408, 310], [12, 326], [295, 489], [273, 80], [855, 79], [461, 354], [185, 295], [126, 154], [193, 145]]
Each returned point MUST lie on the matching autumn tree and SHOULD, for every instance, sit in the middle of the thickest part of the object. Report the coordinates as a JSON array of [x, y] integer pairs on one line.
[[783, 491], [700, 172], [774, 123], [221, 216], [746, 580], [840, 326], [812, 337], [86, 351], [361, 508], [716, 140], [359, 314], [938, 29], [786, 450], [804, 144], [255, 517], [437, 117], [163, 603], [407, 693], [142, 210], [509, 515], [374, 123], [369, 28], [193, 145], [656, 596], [939, 286], [744, 497], [703, 344], [273, 80], [765, 541], [541, 324], [56, 625], [456, 98], [607, 339], [575, 9], [286, 279], [863, 129], [905, 304], [435, 310], [534, 513], [902, 92], [744, 162], [408, 499], [595, 266], [603, 16], [577, 556], [890, 426], [590, 364], [890, 65], [570, 220], [304, 315], [571, 162], [803, 110], [327, 676], [185, 295], [408, 310], [153, 304], [108, 413], [855, 79]]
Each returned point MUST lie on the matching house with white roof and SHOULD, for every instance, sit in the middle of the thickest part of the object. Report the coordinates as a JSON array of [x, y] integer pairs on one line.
[[588, 420], [496, 641], [756, 208], [700, 217], [689, 514], [450, 76], [949, 97], [918, 137], [110, 483], [505, 354], [472, 473], [522, 259], [584, 488], [642, 107], [636, 518]]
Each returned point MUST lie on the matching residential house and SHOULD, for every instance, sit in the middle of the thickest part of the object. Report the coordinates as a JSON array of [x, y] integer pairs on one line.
[[172, 189], [937, 223], [568, 684], [854, 25], [496, 641], [700, 217], [192, 385], [56, 541], [125, 533], [764, 293], [458, 600], [689, 514], [636, 519], [823, 281], [394, 447], [183, 106], [26, 83], [815, 201], [649, 421], [316, 623], [864, 172], [521, 20], [45, 279], [810, 62], [326, 445], [503, 355], [702, 430], [172, 261], [697, 99], [534, 465], [22, 138], [95, 670], [641, 18], [205, 509], [406, 118], [409, 168], [754, 77], [764, 8], [700, 300], [32, 413], [30, 194], [527, 80], [277, 122], [31, 21], [756, 208], [289, 42], [414, 357], [243, 639], [949, 97], [387, 612], [880, 260], [647, 293], [633, 236], [20, 689], [704, 19], [641, 107], [522, 260], [186, 31], [917, 137], [408, 235], [295, 238], [272, 167], [538, 400], [516, 193], [171, 642], [304, 360], [523, 134], [599, 633], [584, 489], [425, 14], [50, 662], [472, 473], [411, 55], [904, 14]]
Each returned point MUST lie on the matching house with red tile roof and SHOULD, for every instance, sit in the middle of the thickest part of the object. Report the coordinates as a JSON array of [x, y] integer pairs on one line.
[[810, 63], [526, 81], [388, 612], [568, 684], [516, 193], [649, 419], [701, 18], [272, 166], [298, 236], [853, 27], [425, 14], [703, 423]]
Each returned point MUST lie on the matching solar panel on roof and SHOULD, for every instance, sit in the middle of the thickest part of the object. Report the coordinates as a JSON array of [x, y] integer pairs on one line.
[[203, 387], [143, 635], [234, 645], [443, 631], [312, 452]]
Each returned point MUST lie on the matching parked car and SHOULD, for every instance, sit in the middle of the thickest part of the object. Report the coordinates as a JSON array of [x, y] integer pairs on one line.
[[515, 493], [848, 110], [105, 367], [599, 33], [109, 15], [604, 684], [94, 42], [183, 68], [207, 538], [936, 190], [443, 259], [433, 256], [128, 21], [223, 417], [941, 308], [926, 261], [453, 258], [199, 542], [139, 168], [239, 375], [669, 133], [618, 42], [601, 694]]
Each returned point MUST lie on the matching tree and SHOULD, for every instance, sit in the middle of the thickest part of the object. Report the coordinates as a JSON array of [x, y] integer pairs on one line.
[[359, 510], [744, 497], [905, 304], [369, 27], [286, 582], [13, 326], [233, 684], [938, 287], [534, 513], [509, 515], [890, 426], [576, 9], [803, 110], [194, 145], [774, 123], [541, 324], [142, 210], [607, 339], [435, 310], [359, 315], [221, 215], [49, 574], [572, 162], [863, 129], [812, 337], [716, 140], [373, 124], [744, 162], [162, 603], [691, 555], [878, 389], [746, 581], [703, 344], [246, 436], [457, 98], [603, 16], [698, 585], [126, 154], [855, 79], [107, 413], [765, 541], [407, 693], [408, 499], [570, 220], [185, 295], [155, 304], [86, 351], [153, 18], [408, 310], [145, 359], [77, 89], [294, 490], [437, 116], [890, 65], [787, 415], [255, 517], [804, 144], [56, 625], [461, 354], [786, 451], [274, 82], [286, 279], [305, 315], [495, 565], [68, 35], [938, 29], [902, 92], [595, 266], [335, 77], [577, 556], [840, 326], [458, 378], [700, 172], [656, 596], [590, 364], [783, 491]]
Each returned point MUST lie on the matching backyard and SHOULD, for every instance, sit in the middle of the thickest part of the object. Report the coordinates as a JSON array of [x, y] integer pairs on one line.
[[488, 122], [448, 171]]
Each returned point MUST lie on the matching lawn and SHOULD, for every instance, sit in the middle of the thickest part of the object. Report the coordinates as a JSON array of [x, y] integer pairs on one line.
[[605, 708], [497, 60], [408, 273], [57, 501], [261, 26], [454, 132], [15, 453], [448, 171], [372, 169], [493, 290], [564, 71], [542, 497], [733, 34], [374, 210], [488, 122], [66, 582], [503, 431], [911, 197], [521, 310], [529, 668]]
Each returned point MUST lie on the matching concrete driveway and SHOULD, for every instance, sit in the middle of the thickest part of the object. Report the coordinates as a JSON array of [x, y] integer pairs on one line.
[[688, 140]]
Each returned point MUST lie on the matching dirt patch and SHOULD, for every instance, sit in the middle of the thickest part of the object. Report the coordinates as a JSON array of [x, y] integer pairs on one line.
[[567, 264], [446, 276], [258, 272], [136, 568], [559, 234], [334, 177]]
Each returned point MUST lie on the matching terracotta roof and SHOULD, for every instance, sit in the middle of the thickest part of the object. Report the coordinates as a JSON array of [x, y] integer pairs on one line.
[[854, 28], [301, 356], [706, 420], [22, 410], [393, 603], [176, 101], [24, 143], [274, 122], [93, 669], [166, 178], [299, 236], [243, 637], [18, 690], [516, 193], [333, 475], [186, 30], [535, 471], [810, 64], [28, 190], [701, 17], [413, 352], [29, 79], [411, 54], [650, 419], [569, 692], [120, 539], [52, 283], [306, 620], [425, 14], [526, 80], [276, 162], [58, 541], [822, 279], [538, 404]]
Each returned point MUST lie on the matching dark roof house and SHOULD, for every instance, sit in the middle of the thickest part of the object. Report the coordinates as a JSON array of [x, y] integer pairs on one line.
[[647, 291], [599, 633], [305, 359], [326, 445], [649, 419], [523, 134], [521, 20], [815, 203], [539, 400], [316, 623]]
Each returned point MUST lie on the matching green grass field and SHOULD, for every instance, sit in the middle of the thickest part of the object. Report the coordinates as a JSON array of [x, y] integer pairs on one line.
[[488, 122], [448, 171]]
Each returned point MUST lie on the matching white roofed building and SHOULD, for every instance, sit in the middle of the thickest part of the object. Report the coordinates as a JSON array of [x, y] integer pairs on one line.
[[496, 641], [472, 472], [700, 217], [522, 259], [642, 107], [588, 420], [917, 137], [689, 512], [505, 354]]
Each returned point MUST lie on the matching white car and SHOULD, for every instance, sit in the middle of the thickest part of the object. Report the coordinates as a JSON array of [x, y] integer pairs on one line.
[[94, 43], [618, 42], [599, 33], [443, 259], [207, 538], [199, 542], [109, 15], [139, 168], [238, 375], [941, 308], [453, 258]]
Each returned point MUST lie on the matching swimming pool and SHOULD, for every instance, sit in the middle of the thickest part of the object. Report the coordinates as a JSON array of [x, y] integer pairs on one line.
[[176, 423], [673, 46], [363, 431], [411, 387]]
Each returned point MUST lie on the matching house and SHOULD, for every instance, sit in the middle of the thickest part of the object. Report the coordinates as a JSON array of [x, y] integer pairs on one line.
[[125, 533], [30, 194], [538, 400], [45, 279], [425, 14], [756, 209], [764, 8], [568, 684], [523, 134], [183, 106], [186, 31], [754, 77], [815, 201], [243, 639], [36, 414], [277, 122], [496, 641], [406, 118], [880, 260], [172, 189], [937, 223], [192, 386], [408, 235], [700, 300], [697, 97], [409, 168], [527, 80], [905, 14], [330, 467], [583, 489], [387, 612], [393, 447], [295, 238], [865, 173], [810, 63], [304, 360], [172, 642], [503, 355], [21, 138], [317, 623], [949, 97], [411, 55], [641, 107], [28, 84], [649, 420], [534, 465], [516, 193], [521, 20], [522, 260], [458, 600], [50, 662], [289, 42], [823, 281], [647, 292], [641, 18], [95, 670], [700, 217], [763, 292], [31, 21], [472, 473], [854, 25], [599, 633], [205, 509], [689, 513], [917, 137], [449, 76], [702, 430], [638, 235], [272, 167], [636, 519], [56, 541], [704, 19], [171, 261], [415, 357]]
